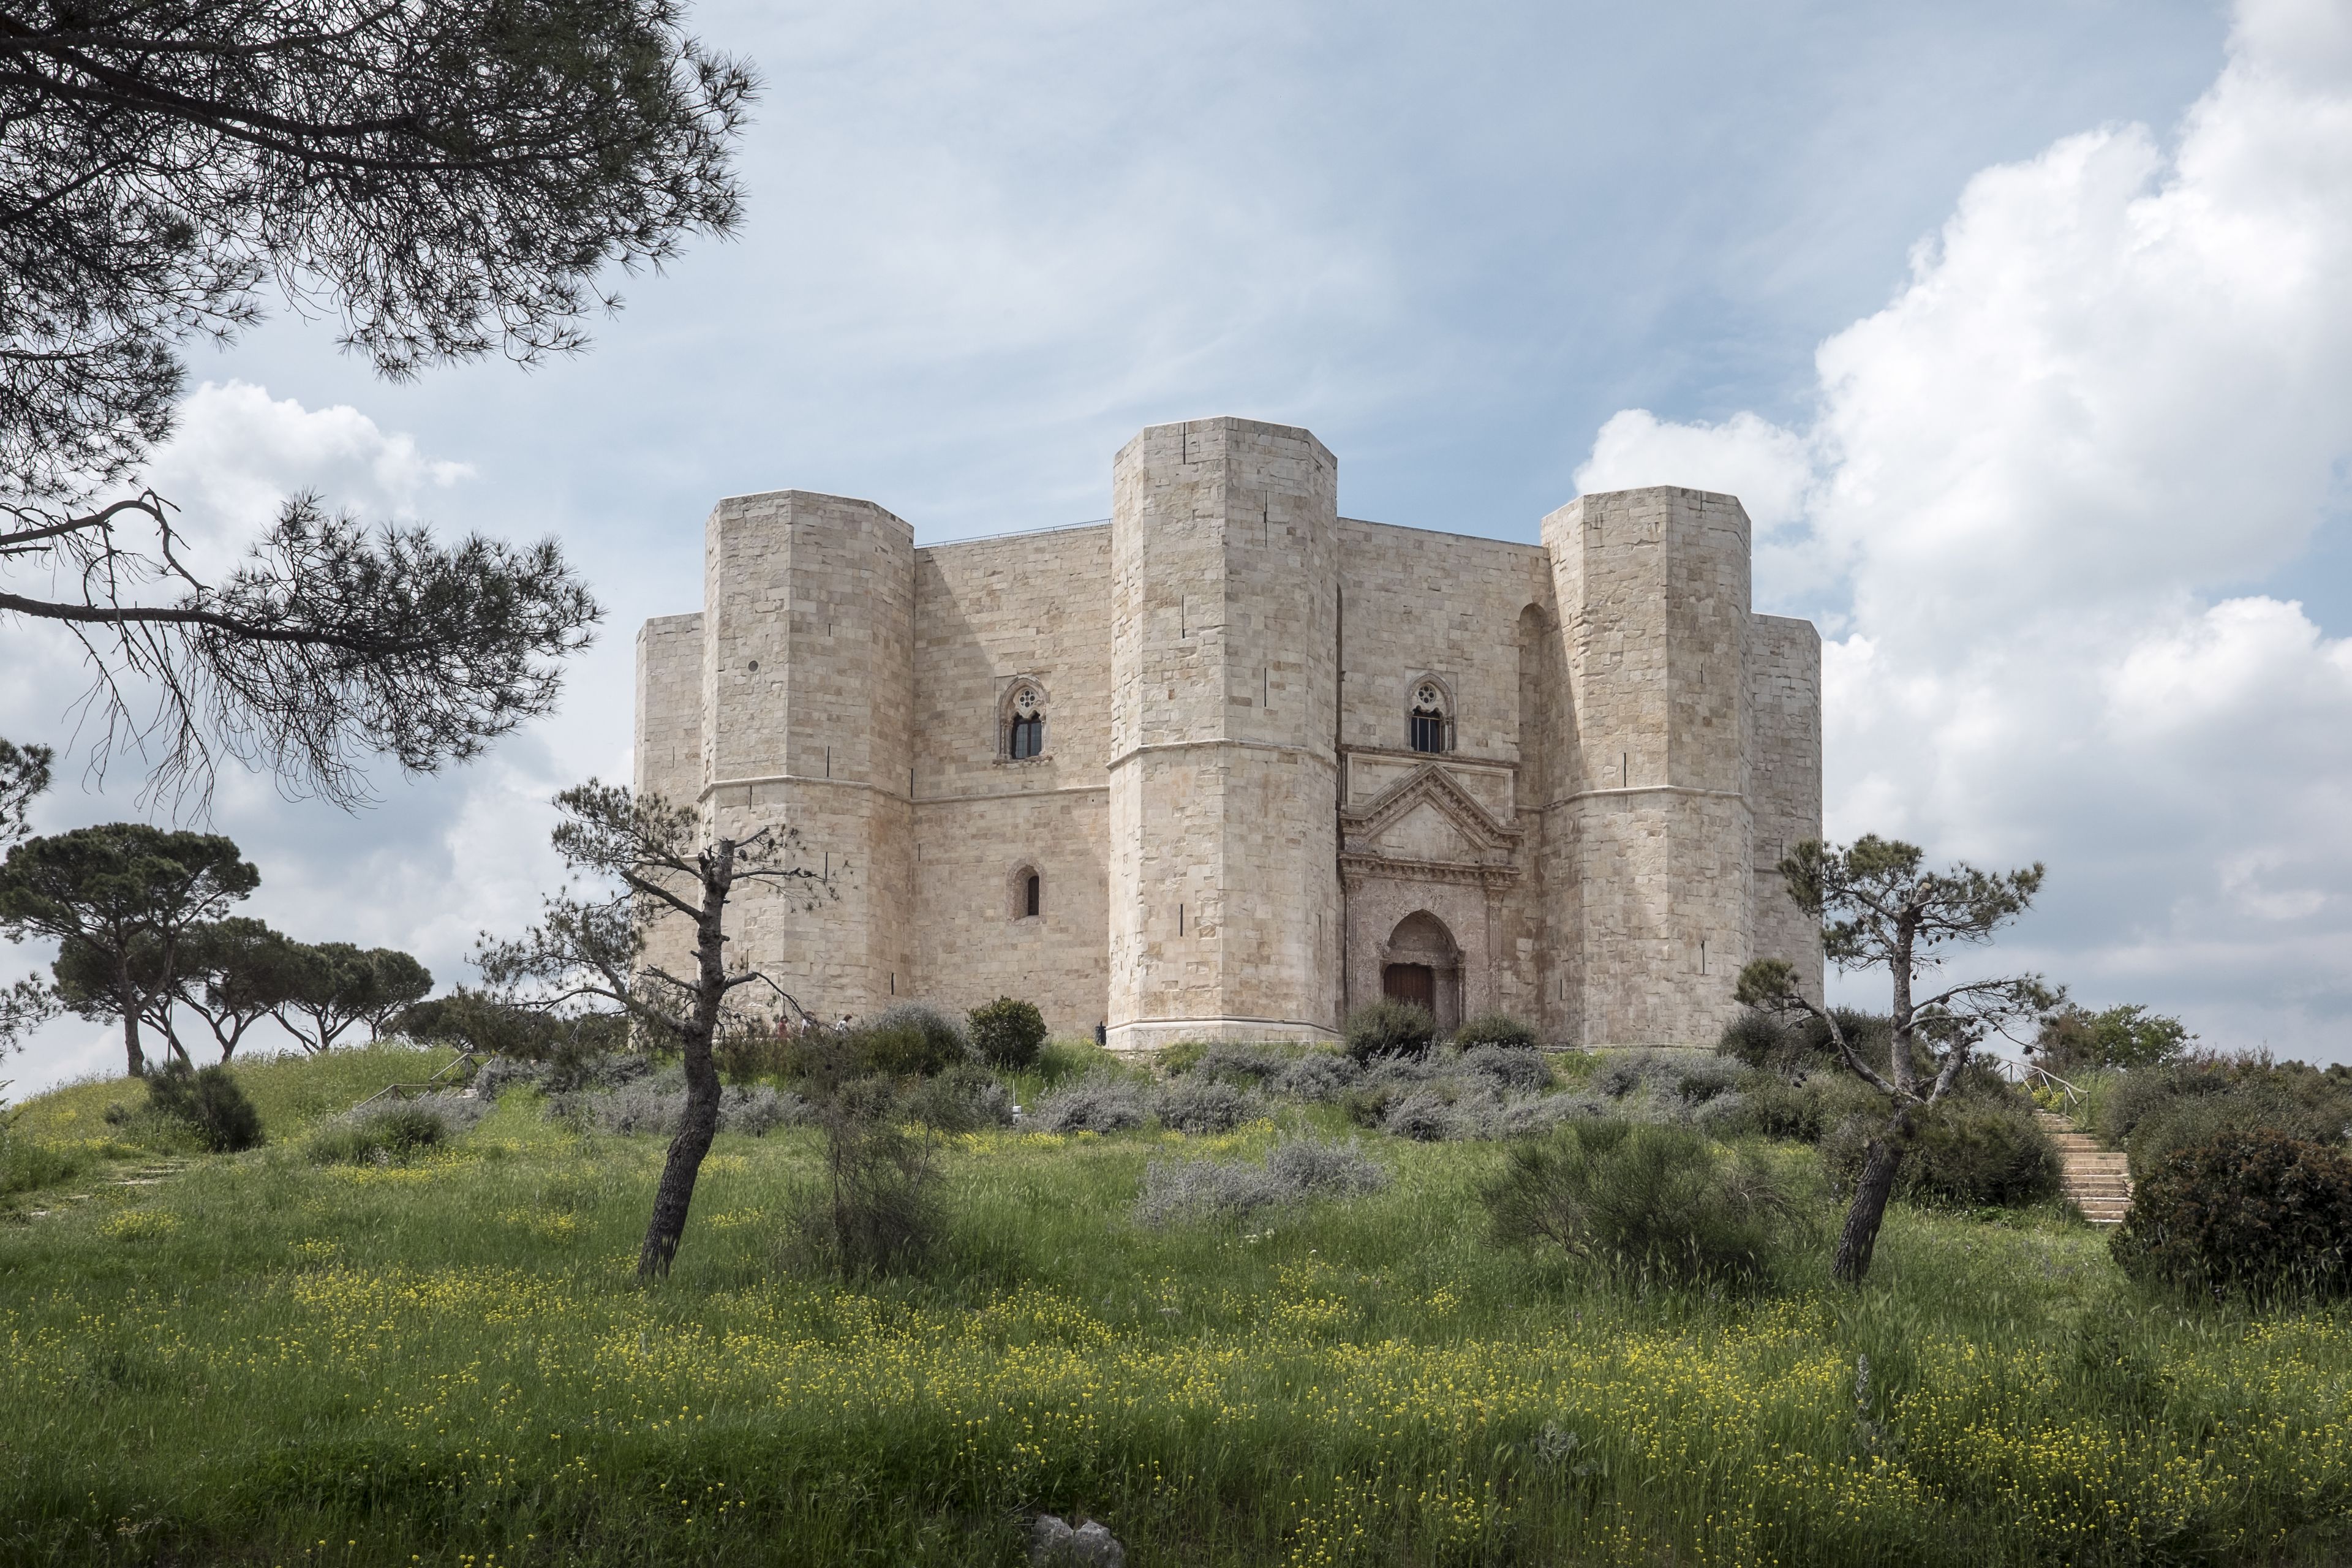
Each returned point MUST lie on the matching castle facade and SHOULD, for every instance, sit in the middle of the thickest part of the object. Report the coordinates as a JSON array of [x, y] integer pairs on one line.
[[1231, 764]]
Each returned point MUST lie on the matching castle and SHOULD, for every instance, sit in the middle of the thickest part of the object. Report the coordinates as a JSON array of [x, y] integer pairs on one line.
[[1231, 764]]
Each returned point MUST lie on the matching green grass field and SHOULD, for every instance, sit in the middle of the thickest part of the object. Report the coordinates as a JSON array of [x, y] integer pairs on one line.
[[261, 1360]]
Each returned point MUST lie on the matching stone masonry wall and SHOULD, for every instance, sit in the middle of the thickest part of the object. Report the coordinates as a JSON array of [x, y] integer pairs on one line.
[[1227, 669], [1656, 654], [1418, 604], [1225, 907], [1032, 607], [808, 645], [668, 755], [1784, 687]]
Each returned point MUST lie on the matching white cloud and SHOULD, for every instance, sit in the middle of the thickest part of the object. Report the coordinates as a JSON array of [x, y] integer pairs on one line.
[[237, 453], [2116, 388]]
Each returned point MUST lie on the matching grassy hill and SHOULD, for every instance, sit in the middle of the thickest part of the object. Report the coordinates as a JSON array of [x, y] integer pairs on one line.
[[261, 1358]]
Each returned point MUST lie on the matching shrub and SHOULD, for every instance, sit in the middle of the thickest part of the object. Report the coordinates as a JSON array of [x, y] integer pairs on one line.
[[1674, 1075], [1521, 1067], [757, 1109], [1102, 1101], [578, 1067], [1425, 1115], [657, 1105], [1495, 1029], [748, 1052], [1969, 1154], [394, 1133], [1389, 1028], [910, 1039], [1295, 1170], [1205, 1105], [964, 1098], [1757, 1039], [208, 1103], [2252, 1211], [876, 1209], [1642, 1201], [1807, 1109], [1315, 1076], [500, 1074], [1007, 1034], [2155, 1111], [1798, 1045], [1245, 1064]]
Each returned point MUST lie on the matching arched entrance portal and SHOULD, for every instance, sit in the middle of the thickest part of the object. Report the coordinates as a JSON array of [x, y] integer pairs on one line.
[[1421, 964]]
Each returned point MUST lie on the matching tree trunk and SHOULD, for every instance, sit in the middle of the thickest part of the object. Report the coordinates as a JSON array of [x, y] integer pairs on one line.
[[1858, 1235], [127, 999], [701, 1123], [136, 1058], [676, 1194]]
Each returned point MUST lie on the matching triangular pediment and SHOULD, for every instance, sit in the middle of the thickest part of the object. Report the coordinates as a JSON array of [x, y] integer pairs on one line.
[[1426, 816]]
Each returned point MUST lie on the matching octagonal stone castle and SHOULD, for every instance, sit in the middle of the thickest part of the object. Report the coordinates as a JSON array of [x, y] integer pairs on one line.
[[1231, 764]]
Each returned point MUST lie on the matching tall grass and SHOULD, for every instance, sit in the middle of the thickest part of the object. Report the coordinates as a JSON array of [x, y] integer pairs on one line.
[[268, 1361]]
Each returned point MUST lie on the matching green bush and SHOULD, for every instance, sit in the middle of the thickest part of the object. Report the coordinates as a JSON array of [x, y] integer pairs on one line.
[[1642, 1201], [382, 1137], [877, 1208], [910, 1039], [1969, 1154], [964, 1098], [1802, 1045], [1806, 1109], [2252, 1212], [1388, 1028], [2154, 1111], [1008, 1033], [746, 1054], [1495, 1029], [208, 1103]]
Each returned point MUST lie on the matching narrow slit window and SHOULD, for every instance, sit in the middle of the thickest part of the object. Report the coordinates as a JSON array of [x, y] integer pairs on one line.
[[1029, 895]]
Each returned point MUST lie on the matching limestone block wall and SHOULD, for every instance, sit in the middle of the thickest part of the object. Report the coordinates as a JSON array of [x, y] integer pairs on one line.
[[1226, 671], [1421, 604], [1032, 608], [1652, 586], [669, 743], [1784, 701], [808, 670], [1223, 886]]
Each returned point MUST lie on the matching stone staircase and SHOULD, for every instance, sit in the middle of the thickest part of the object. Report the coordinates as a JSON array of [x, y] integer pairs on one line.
[[2098, 1180]]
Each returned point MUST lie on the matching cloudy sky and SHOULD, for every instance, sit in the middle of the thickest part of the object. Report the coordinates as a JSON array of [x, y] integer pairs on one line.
[[2024, 329]]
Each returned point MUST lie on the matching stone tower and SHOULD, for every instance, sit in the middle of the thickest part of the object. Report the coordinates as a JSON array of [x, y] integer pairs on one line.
[[1647, 874], [808, 648], [1223, 885]]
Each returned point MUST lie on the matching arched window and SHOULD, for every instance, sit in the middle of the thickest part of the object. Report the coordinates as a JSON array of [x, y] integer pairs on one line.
[[1024, 725], [1027, 892], [1433, 723]]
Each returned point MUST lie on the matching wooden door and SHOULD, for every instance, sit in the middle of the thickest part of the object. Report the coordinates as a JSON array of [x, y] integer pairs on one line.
[[1413, 982]]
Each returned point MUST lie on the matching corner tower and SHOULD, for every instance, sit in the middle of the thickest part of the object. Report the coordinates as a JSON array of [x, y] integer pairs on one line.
[[1223, 782], [808, 697], [1652, 590]]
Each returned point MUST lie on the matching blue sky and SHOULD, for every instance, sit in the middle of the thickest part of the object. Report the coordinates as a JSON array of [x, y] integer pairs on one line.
[[1905, 277]]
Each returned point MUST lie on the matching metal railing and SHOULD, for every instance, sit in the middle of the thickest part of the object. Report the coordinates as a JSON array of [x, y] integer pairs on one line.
[[2031, 1075], [466, 1057]]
